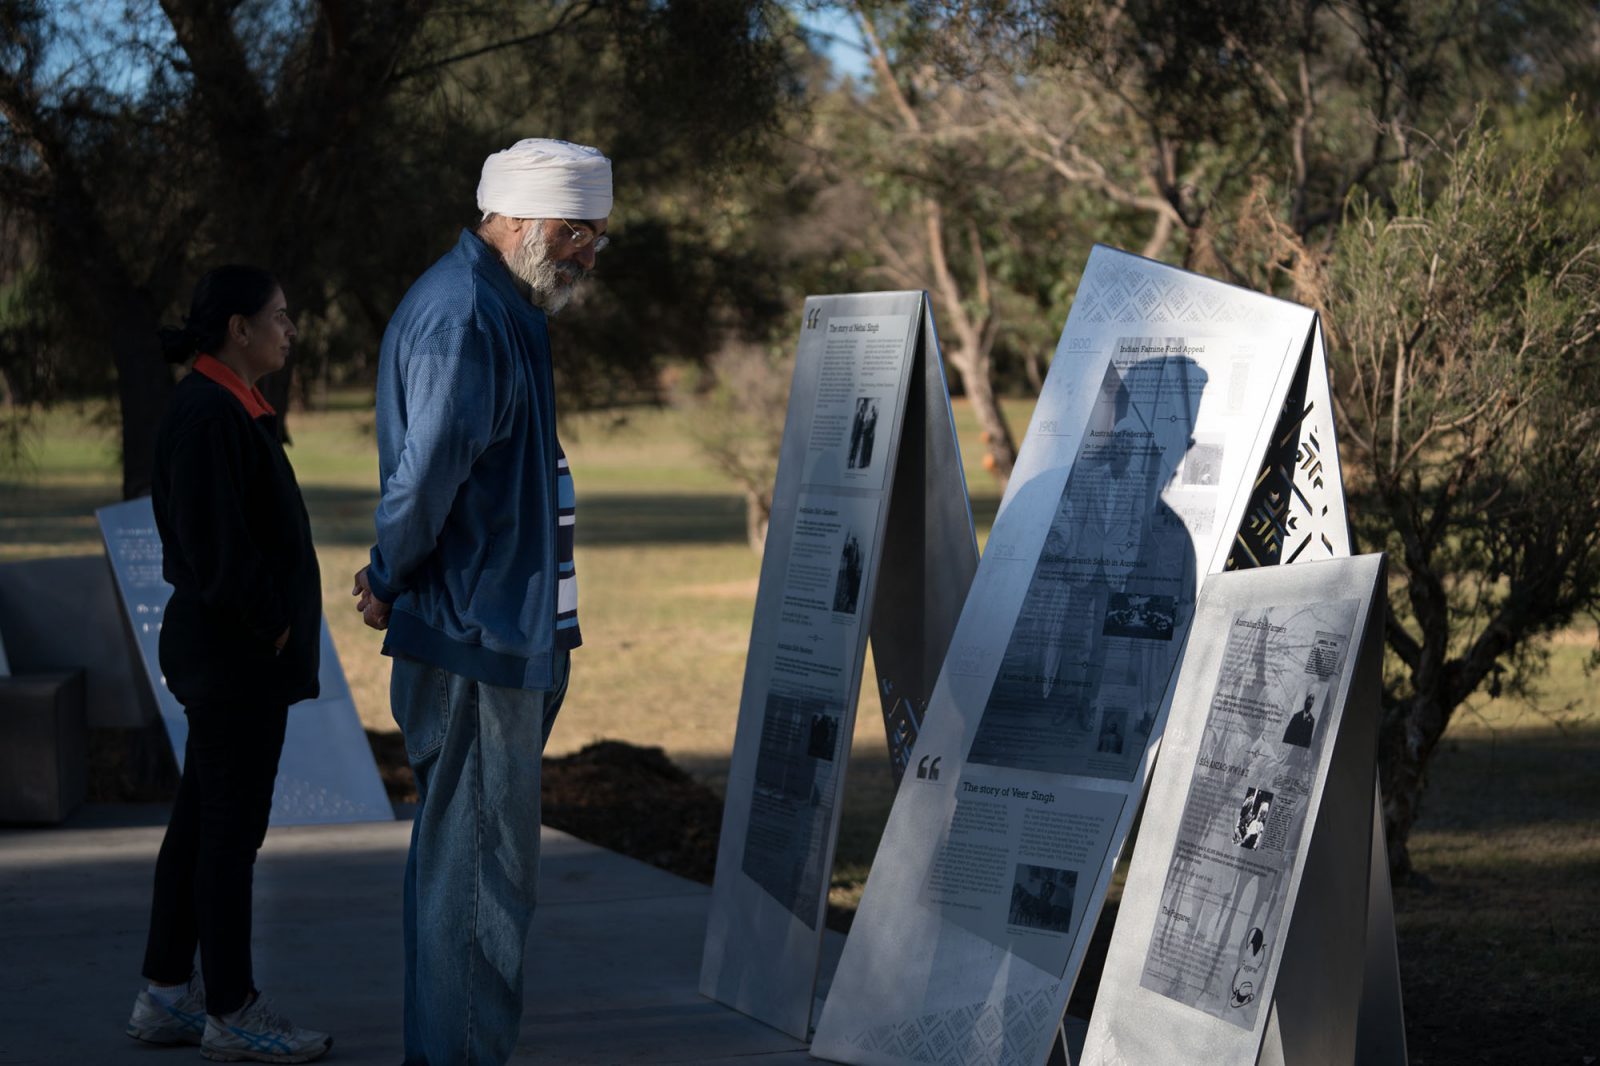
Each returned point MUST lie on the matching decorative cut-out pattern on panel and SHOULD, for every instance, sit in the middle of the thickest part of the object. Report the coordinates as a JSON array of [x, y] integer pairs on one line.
[[1128, 294], [1292, 502], [979, 1034], [1297, 497]]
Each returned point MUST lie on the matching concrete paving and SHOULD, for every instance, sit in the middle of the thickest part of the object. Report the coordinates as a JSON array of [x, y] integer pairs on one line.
[[613, 964]]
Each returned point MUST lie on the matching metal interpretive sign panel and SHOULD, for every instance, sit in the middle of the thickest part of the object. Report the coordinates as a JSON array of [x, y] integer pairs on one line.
[[1144, 458], [326, 773], [1241, 933], [870, 533]]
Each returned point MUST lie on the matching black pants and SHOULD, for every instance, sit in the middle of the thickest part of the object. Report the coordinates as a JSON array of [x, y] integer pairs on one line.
[[207, 861]]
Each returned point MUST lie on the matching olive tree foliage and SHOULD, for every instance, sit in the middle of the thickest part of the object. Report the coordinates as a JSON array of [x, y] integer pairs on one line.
[[338, 142], [1463, 318], [1466, 334]]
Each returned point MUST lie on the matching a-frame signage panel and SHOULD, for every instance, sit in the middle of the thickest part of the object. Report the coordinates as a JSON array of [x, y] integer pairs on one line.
[[1297, 512], [327, 774], [1140, 464], [930, 554], [1241, 937], [870, 533]]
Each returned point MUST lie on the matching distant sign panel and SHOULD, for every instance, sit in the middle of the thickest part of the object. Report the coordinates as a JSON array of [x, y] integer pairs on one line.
[[326, 772], [871, 536]]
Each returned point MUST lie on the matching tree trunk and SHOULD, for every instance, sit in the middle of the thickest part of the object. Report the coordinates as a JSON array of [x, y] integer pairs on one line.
[[1000, 448], [1033, 366], [1411, 730], [757, 513], [277, 388], [143, 386]]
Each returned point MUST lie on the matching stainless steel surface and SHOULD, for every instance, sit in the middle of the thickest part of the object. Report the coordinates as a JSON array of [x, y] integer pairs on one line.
[[1296, 510], [931, 553], [1381, 1025], [326, 773], [1313, 977], [838, 479], [920, 981]]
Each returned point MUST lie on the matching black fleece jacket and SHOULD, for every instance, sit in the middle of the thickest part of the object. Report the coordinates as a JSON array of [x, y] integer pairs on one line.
[[237, 553]]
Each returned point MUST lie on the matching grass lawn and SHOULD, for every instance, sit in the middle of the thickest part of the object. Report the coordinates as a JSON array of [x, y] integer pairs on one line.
[[1500, 937]]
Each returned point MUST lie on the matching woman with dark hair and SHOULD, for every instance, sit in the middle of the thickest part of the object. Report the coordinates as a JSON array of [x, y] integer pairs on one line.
[[239, 643]]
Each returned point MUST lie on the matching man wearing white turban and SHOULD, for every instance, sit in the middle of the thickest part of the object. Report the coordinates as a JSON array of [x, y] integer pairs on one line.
[[472, 580]]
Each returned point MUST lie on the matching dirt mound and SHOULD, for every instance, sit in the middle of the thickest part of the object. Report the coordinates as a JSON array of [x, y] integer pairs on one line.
[[624, 798], [635, 801]]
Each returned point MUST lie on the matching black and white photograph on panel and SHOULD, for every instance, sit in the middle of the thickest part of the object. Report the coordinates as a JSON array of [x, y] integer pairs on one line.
[[1302, 724], [1113, 731], [791, 806], [1041, 898], [824, 735], [1250, 828], [1203, 465], [1114, 585], [847, 585], [1140, 617], [863, 433]]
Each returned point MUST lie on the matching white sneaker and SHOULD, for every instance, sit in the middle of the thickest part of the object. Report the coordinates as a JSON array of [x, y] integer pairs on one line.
[[260, 1034], [182, 1023]]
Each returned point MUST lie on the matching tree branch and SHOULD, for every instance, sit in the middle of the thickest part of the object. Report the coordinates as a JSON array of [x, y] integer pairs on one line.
[[570, 15]]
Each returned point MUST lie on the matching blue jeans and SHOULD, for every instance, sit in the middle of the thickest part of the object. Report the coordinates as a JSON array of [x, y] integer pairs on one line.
[[472, 873]]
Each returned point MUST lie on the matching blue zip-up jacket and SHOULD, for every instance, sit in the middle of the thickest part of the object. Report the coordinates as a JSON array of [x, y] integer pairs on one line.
[[466, 552]]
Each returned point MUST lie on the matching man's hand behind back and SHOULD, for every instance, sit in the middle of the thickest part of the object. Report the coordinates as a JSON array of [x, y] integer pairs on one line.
[[374, 611]]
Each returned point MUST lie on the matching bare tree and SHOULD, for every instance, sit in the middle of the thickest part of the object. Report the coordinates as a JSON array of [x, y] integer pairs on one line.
[[945, 247], [735, 410], [1171, 109]]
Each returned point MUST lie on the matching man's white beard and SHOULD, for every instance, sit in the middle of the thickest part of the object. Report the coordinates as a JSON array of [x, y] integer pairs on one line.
[[553, 283]]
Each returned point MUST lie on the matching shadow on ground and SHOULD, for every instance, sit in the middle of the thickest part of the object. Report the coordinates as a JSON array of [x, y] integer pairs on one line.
[[664, 518], [1500, 935]]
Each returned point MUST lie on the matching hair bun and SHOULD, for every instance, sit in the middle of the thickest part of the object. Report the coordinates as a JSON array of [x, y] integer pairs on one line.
[[178, 345]]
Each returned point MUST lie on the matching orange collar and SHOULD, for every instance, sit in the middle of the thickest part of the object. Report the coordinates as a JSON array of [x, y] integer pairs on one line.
[[255, 404]]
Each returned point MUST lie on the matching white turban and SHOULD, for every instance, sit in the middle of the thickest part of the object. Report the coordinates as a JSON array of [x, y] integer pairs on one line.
[[544, 178]]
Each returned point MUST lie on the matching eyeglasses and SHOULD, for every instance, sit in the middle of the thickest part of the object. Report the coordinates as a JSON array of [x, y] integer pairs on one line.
[[582, 238]]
